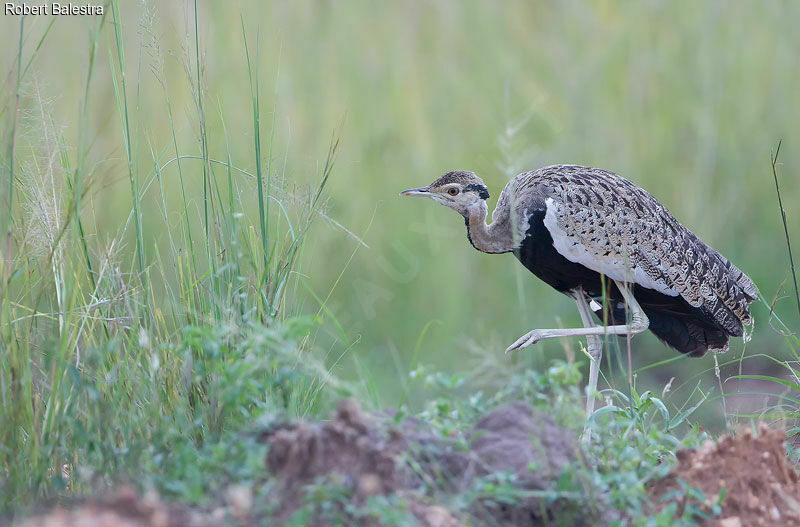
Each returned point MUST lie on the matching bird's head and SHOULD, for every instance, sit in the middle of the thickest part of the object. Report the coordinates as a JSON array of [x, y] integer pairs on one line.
[[460, 190]]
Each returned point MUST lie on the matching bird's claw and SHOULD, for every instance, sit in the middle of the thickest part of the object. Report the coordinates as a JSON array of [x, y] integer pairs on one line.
[[529, 338]]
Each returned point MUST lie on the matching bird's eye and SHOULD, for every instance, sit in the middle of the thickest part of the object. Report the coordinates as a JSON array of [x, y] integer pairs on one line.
[[453, 191]]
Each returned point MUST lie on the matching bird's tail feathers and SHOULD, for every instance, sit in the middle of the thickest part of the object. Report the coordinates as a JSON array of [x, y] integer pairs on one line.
[[686, 333]]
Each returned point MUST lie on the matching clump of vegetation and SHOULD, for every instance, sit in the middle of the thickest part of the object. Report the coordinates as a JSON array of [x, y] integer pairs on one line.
[[634, 440]]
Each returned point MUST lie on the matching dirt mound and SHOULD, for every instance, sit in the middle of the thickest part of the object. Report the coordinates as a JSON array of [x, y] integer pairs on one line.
[[362, 454], [512, 438], [349, 445], [349, 451], [529, 444], [747, 476]]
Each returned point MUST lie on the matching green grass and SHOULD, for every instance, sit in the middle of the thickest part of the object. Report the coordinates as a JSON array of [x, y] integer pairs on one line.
[[164, 294], [154, 361]]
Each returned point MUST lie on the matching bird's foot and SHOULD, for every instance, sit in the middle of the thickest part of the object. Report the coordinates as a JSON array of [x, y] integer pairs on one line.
[[529, 338]]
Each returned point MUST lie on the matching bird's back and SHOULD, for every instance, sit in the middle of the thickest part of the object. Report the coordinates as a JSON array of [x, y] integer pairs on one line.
[[609, 225]]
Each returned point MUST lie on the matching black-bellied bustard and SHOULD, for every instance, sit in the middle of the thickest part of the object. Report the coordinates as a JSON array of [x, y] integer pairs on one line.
[[572, 225]]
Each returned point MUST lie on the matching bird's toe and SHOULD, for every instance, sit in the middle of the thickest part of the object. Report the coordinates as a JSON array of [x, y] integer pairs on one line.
[[532, 337]]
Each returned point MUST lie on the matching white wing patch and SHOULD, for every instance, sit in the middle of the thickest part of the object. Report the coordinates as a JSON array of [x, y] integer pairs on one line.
[[572, 247]]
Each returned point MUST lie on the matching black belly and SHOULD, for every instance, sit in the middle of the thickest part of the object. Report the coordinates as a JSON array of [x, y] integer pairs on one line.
[[680, 325], [541, 258]]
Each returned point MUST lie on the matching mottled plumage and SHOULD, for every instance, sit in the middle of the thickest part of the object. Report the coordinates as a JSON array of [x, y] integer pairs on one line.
[[611, 226]]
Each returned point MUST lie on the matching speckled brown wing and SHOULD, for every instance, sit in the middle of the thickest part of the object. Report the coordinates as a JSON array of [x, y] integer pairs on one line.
[[614, 227]]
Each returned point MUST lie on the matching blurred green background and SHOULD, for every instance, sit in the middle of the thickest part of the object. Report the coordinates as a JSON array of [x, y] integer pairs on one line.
[[685, 98]]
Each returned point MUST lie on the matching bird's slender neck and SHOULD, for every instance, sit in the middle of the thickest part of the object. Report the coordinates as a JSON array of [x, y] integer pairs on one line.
[[494, 238]]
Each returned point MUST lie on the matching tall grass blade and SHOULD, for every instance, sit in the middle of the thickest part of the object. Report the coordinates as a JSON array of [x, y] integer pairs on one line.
[[122, 104], [12, 143], [774, 159], [252, 71]]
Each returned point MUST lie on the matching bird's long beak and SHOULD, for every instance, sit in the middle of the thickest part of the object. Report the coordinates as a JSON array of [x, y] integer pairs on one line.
[[422, 191]]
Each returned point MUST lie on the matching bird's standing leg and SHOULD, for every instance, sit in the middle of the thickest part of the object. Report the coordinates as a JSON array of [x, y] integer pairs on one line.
[[595, 347], [639, 323]]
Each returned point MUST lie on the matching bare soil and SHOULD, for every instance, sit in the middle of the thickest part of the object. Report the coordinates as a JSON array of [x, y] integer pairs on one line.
[[750, 471]]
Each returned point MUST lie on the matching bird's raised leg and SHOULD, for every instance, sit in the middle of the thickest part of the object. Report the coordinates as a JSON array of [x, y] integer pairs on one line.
[[639, 323]]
